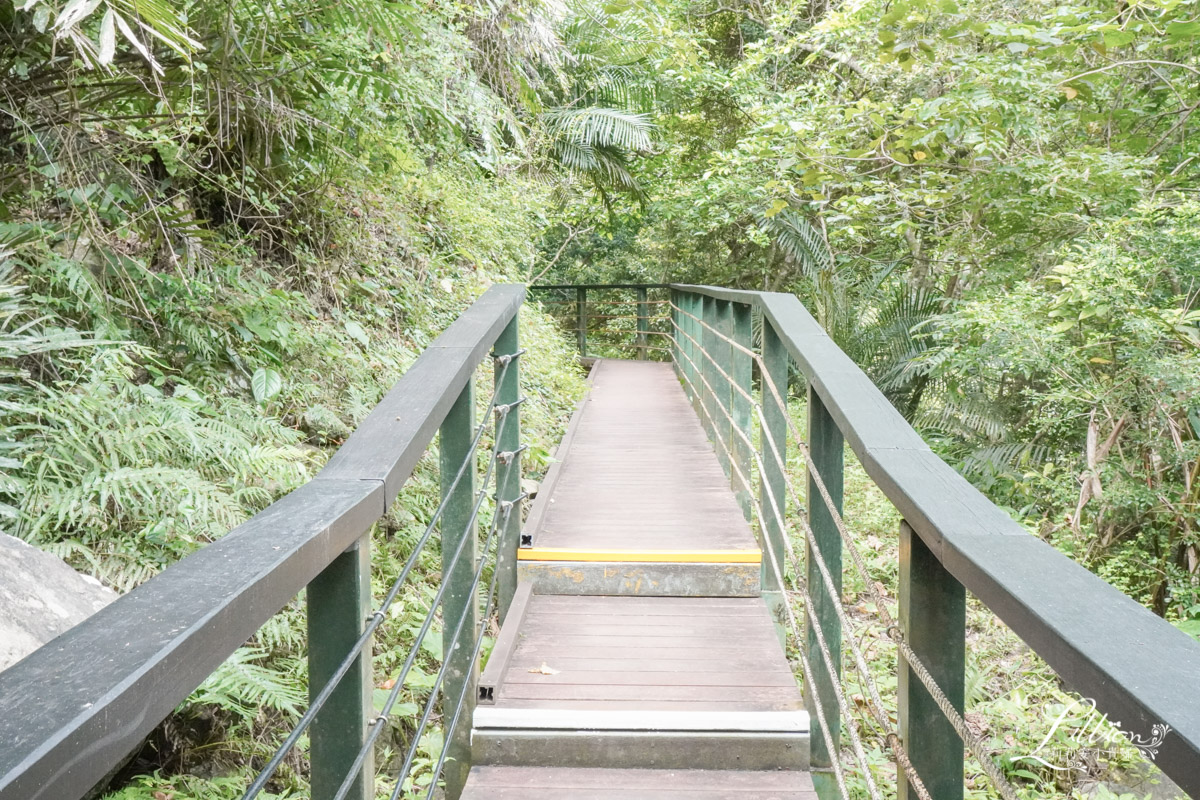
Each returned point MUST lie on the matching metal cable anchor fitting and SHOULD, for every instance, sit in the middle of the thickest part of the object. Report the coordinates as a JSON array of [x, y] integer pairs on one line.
[[504, 408], [507, 357], [506, 457]]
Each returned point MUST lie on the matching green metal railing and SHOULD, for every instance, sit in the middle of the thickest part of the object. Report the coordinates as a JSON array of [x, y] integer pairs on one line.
[[73, 710], [613, 320], [740, 356]]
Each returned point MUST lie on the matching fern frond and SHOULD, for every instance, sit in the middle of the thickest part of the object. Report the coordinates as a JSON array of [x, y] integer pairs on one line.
[[1002, 457], [244, 686]]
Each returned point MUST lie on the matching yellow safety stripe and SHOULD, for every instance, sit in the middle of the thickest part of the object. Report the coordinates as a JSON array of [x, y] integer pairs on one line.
[[659, 556]]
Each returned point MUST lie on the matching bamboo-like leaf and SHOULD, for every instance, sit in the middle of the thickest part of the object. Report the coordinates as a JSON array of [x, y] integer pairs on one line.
[[128, 33], [73, 13], [108, 38]]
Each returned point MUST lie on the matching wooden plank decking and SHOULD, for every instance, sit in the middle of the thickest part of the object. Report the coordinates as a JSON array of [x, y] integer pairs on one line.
[[647, 653], [525, 783], [680, 692], [641, 476]]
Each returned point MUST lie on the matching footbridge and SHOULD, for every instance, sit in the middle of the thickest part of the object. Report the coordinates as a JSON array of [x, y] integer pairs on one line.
[[665, 617]]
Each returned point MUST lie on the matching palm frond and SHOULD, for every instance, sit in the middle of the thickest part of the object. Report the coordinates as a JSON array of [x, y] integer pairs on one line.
[[799, 241], [602, 127]]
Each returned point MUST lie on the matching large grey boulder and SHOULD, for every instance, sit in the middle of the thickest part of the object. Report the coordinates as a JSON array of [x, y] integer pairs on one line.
[[40, 597]]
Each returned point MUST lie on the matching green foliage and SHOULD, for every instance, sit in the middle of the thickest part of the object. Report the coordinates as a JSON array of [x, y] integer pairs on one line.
[[225, 231], [226, 228], [989, 206], [123, 478], [244, 686], [188, 787]]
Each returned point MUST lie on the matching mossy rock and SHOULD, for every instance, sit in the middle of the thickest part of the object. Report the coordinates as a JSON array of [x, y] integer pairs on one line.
[[323, 426]]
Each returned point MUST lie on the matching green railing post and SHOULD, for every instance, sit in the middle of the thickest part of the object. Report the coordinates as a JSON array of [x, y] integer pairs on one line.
[[722, 355], [508, 472], [459, 601], [339, 605], [675, 320], [741, 369], [774, 477], [710, 415], [691, 304], [933, 619], [643, 323], [582, 318], [826, 448]]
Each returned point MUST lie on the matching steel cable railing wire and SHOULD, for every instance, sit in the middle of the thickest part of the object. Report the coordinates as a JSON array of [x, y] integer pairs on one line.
[[877, 709], [430, 702], [893, 631], [977, 747], [462, 695], [377, 618], [806, 667], [572, 302], [394, 693], [504, 513]]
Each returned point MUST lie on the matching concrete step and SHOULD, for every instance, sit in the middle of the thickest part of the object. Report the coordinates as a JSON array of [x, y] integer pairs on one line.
[[732, 574], [556, 783], [654, 739]]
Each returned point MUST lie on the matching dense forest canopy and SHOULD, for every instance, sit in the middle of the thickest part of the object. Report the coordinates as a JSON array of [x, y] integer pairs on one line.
[[991, 206], [227, 226]]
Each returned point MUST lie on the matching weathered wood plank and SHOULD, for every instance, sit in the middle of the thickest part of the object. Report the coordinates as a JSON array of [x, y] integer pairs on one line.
[[736, 662], [713, 720], [776, 696], [596, 657], [650, 605], [556, 793], [640, 473], [608, 648], [651, 678], [548, 783], [623, 642], [577, 706], [595, 626]]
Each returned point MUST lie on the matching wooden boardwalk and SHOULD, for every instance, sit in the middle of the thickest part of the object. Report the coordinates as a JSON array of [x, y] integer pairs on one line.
[[638, 503], [640, 475], [637, 659]]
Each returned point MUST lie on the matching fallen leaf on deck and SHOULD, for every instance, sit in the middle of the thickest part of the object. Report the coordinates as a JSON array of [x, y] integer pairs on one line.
[[545, 670]]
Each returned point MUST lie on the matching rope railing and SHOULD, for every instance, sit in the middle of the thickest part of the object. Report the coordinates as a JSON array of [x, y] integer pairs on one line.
[[892, 630]]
